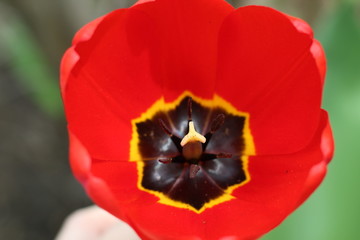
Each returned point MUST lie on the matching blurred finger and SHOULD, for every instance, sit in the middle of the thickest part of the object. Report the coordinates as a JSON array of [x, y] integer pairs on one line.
[[89, 223], [120, 231]]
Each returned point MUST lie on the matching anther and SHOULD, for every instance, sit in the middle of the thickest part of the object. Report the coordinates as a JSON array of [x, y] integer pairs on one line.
[[176, 140], [211, 156], [165, 160], [217, 123], [189, 107], [165, 128], [224, 155]]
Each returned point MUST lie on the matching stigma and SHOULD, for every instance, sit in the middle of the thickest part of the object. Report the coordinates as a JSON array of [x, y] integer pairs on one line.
[[192, 144], [192, 136]]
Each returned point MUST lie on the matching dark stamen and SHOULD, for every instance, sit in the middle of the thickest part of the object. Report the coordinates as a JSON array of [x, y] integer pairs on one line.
[[165, 128], [194, 169], [224, 155], [217, 123], [165, 160], [176, 140], [211, 156], [176, 159], [189, 109]]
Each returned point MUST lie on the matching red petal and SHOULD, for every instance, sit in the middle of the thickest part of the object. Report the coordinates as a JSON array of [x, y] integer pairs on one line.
[[113, 81], [121, 177], [327, 143], [143, 1], [316, 48], [70, 57], [314, 178], [318, 172], [100, 193], [319, 55], [266, 68], [301, 25], [188, 34], [119, 63], [80, 160], [69, 60], [278, 184], [96, 188], [87, 31]]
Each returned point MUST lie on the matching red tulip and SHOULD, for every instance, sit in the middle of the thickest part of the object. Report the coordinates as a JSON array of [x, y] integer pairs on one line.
[[247, 82]]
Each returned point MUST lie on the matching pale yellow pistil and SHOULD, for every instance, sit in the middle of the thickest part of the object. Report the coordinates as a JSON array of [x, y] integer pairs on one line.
[[192, 136]]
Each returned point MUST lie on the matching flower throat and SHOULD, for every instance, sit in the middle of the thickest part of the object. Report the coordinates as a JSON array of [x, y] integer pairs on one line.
[[192, 147], [191, 153]]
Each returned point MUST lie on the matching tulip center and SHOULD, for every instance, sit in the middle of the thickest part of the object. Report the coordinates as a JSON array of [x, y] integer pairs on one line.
[[192, 147], [192, 153]]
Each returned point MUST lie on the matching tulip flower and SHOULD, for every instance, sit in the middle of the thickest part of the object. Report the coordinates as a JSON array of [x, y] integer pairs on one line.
[[189, 119]]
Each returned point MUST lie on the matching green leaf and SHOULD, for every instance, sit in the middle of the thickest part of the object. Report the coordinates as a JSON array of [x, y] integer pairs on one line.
[[29, 65]]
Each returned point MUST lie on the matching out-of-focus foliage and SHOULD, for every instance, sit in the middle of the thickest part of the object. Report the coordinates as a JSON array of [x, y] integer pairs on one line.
[[28, 64], [33, 36]]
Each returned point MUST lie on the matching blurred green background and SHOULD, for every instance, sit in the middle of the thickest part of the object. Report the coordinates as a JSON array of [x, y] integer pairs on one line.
[[37, 189]]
